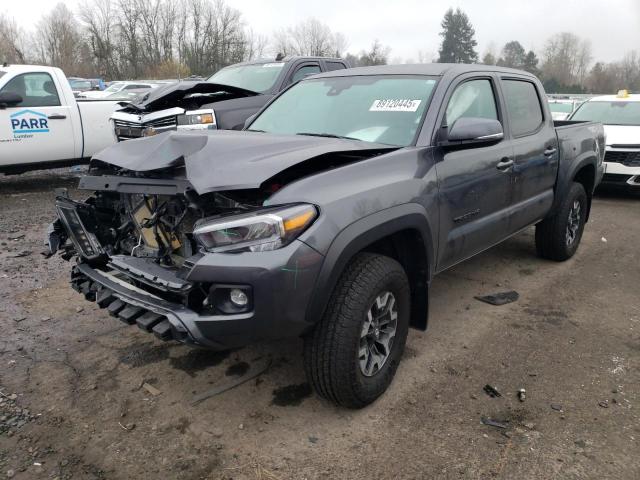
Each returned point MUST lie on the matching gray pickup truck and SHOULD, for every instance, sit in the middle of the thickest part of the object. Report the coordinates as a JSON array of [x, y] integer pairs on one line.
[[224, 101], [330, 214]]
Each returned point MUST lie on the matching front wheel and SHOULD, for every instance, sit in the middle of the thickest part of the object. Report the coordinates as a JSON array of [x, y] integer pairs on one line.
[[352, 354], [558, 237]]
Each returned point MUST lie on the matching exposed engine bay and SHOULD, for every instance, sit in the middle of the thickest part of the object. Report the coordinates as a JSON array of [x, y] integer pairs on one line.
[[152, 226]]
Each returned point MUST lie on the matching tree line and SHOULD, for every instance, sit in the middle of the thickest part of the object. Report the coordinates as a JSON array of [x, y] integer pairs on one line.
[[128, 39], [565, 63]]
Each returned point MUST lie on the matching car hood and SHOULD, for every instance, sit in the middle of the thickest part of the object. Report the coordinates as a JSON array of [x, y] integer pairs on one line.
[[229, 160], [620, 135], [167, 96]]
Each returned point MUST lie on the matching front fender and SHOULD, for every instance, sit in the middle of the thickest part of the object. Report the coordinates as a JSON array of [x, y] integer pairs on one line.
[[362, 233]]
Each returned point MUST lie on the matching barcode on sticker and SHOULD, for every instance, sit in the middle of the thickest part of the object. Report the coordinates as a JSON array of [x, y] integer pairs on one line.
[[395, 105]]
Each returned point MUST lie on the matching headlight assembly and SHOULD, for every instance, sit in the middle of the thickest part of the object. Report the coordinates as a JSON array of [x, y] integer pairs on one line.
[[256, 231], [197, 120]]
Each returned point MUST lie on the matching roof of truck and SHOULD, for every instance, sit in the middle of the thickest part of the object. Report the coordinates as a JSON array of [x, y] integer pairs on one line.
[[23, 68], [433, 69], [616, 98]]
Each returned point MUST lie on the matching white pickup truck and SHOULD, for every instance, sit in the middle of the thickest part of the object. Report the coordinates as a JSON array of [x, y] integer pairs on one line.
[[42, 125], [620, 115]]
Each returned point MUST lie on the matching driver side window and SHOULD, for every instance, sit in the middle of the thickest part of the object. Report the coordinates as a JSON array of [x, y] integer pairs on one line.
[[36, 89], [472, 99]]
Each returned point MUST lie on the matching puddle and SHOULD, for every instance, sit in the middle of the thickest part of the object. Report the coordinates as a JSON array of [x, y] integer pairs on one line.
[[237, 369], [291, 395], [197, 359]]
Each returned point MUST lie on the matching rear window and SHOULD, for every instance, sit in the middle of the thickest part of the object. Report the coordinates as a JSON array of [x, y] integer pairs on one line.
[[523, 106]]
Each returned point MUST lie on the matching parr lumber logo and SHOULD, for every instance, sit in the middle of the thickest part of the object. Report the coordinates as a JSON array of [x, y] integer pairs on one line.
[[29, 121]]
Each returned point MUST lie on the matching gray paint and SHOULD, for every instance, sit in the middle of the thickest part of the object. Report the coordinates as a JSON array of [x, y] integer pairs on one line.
[[457, 199], [225, 160]]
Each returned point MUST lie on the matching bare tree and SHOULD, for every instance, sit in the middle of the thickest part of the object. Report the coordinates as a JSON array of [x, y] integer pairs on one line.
[[566, 59], [99, 20], [11, 41], [376, 55], [309, 37], [58, 41]]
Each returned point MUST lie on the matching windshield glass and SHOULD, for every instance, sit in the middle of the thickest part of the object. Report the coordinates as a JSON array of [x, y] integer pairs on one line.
[[114, 87], [561, 107], [609, 113], [383, 109], [80, 84], [257, 78]]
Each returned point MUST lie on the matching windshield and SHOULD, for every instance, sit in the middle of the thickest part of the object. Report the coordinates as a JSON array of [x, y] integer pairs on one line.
[[609, 113], [257, 78], [114, 87], [383, 109], [80, 84], [561, 107]]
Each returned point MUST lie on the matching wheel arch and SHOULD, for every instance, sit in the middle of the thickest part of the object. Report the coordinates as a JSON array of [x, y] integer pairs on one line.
[[583, 172], [401, 232]]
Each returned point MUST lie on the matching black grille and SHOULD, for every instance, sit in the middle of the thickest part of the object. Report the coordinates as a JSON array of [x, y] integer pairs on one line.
[[615, 178], [629, 159], [126, 130]]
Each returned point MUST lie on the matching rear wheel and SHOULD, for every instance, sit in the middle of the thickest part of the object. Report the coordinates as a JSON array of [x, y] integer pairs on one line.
[[558, 237], [353, 353]]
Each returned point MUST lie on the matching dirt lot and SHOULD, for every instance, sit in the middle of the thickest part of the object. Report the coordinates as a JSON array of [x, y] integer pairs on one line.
[[72, 405]]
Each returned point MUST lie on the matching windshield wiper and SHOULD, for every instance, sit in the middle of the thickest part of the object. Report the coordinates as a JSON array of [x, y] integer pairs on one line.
[[252, 130], [327, 135]]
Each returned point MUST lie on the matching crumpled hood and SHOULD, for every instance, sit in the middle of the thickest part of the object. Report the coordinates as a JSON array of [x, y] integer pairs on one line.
[[225, 159], [622, 134], [165, 97]]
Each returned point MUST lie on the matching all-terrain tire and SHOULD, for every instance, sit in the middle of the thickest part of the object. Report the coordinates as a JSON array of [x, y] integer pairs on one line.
[[552, 234], [332, 349]]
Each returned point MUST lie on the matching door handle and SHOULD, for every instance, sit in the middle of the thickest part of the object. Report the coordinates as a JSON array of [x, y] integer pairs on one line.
[[505, 164], [550, 151], [56, 116]]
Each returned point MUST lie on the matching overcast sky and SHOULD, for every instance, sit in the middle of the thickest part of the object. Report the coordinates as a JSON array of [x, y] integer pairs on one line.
[[408, 26]]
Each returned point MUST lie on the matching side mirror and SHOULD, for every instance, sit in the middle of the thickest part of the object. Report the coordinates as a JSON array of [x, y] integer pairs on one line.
[[469, 130], [9, 99], [248, 121]]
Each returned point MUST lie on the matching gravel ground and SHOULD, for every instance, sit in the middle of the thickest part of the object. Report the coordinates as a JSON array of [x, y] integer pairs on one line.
[[73, 404]]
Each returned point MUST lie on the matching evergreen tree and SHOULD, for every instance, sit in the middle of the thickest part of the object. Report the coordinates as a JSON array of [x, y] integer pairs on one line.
[[531, 63], [458, 42], [489, 59], [513, 55]]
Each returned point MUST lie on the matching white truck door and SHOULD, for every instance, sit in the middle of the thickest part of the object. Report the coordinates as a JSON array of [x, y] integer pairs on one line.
[[38, 129]]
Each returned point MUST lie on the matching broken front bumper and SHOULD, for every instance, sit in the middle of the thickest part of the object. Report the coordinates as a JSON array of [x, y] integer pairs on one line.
[[280, 282]]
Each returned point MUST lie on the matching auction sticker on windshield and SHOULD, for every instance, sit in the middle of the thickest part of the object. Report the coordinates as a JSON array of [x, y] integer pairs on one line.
[[395, 105]]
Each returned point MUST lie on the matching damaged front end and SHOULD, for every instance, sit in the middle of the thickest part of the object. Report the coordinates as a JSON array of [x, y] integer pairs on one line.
[[183, 234], [139, 256]]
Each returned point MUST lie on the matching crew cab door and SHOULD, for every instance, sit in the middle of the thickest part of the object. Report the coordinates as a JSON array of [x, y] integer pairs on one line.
[[474, 180], [535, 148], [38, 129]]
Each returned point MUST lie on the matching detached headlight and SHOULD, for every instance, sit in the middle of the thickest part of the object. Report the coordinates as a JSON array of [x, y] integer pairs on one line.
[[197, 120], [255, 232]]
